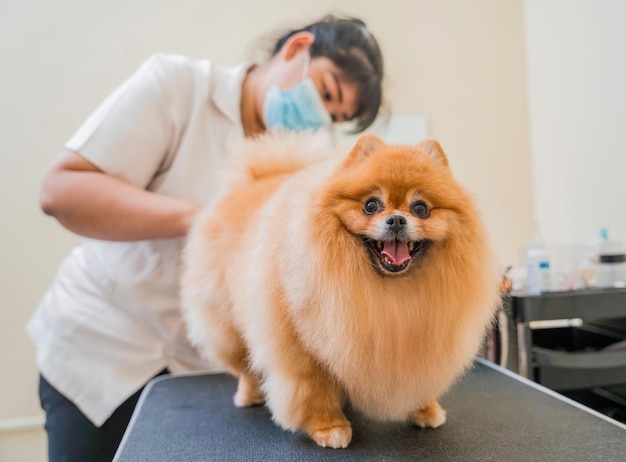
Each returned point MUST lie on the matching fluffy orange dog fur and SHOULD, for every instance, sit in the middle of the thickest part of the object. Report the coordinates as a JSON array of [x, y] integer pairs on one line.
[[317, 278]]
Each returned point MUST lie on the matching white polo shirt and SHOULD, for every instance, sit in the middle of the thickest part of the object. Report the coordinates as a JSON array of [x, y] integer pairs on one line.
[[110, 320]]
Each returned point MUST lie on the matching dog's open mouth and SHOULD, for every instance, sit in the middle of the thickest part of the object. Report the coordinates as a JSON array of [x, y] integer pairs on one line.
[[395, 256]]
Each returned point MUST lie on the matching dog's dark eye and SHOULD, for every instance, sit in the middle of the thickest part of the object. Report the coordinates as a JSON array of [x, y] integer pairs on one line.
[[420, 209], [372, 206]]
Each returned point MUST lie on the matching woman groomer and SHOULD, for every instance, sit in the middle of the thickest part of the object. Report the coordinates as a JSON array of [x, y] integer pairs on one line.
[[131, 180]]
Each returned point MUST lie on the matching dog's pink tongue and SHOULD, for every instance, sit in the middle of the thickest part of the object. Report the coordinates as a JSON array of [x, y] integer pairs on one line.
[[397, 252]]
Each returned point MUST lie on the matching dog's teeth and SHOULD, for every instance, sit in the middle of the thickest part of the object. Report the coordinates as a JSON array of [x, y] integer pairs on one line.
[[379, 245], [411, 246]]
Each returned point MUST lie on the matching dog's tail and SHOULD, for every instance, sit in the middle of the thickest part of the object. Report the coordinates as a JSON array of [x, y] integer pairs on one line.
[[280, 152]]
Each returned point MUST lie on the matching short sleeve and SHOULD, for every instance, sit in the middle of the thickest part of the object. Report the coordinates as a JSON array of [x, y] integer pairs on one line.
[[132, 131]]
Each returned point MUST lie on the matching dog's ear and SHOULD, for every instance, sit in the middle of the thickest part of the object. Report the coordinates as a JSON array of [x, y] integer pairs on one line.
[[432, 147], [365, 145]]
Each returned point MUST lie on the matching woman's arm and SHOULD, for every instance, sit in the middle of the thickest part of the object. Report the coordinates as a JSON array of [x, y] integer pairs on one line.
[[94, 204]]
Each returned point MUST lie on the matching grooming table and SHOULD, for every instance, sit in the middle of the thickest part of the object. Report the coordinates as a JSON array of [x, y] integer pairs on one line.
[[493, 415]]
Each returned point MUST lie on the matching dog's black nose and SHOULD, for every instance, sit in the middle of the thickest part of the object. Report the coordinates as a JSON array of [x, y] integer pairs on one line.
[[395, 222]]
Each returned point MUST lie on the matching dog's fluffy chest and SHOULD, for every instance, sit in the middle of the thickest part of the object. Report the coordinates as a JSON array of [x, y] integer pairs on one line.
[[389, 358]]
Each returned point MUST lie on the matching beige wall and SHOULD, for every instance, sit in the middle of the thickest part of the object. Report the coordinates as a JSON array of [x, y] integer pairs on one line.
[[459, 62], [577, 69]]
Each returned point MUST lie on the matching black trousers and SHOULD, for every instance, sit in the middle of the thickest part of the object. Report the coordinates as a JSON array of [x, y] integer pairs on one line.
[[72, 437]]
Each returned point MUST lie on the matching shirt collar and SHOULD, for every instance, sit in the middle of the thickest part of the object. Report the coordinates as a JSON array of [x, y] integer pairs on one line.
[[226, 89]]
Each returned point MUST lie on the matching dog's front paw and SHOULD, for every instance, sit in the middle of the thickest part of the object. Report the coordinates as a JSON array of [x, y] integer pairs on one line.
[[432, 415], [334, 437]]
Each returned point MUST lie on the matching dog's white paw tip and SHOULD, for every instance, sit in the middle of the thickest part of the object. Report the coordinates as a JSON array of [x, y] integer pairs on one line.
[[336, 437], [429, 418], [246, 400]]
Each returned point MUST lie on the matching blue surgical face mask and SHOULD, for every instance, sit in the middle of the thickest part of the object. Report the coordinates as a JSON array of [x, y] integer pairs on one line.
[[297, 108]]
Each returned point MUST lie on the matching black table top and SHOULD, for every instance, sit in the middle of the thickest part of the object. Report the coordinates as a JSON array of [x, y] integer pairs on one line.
[[493, 415], [585, 304]]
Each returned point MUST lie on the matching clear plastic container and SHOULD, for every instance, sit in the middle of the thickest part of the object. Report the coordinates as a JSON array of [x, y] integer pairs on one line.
[[611, 264]]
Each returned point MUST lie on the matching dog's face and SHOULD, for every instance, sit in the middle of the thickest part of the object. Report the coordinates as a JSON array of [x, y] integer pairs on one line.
[[401, 202], [393, 232]]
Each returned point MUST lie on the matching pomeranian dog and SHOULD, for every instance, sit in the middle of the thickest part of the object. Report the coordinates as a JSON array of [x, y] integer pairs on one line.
[[317, 278]]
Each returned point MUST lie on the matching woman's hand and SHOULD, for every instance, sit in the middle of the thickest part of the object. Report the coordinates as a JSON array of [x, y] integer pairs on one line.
[[94, 204]]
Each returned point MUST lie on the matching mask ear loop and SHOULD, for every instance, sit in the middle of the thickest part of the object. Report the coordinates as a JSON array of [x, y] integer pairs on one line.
[[307, 63]]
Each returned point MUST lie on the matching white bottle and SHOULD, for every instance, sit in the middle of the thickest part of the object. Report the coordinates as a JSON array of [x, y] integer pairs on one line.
[[538, 266]]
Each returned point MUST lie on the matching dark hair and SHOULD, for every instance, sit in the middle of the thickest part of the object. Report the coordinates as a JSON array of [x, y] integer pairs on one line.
[[355, 51]]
